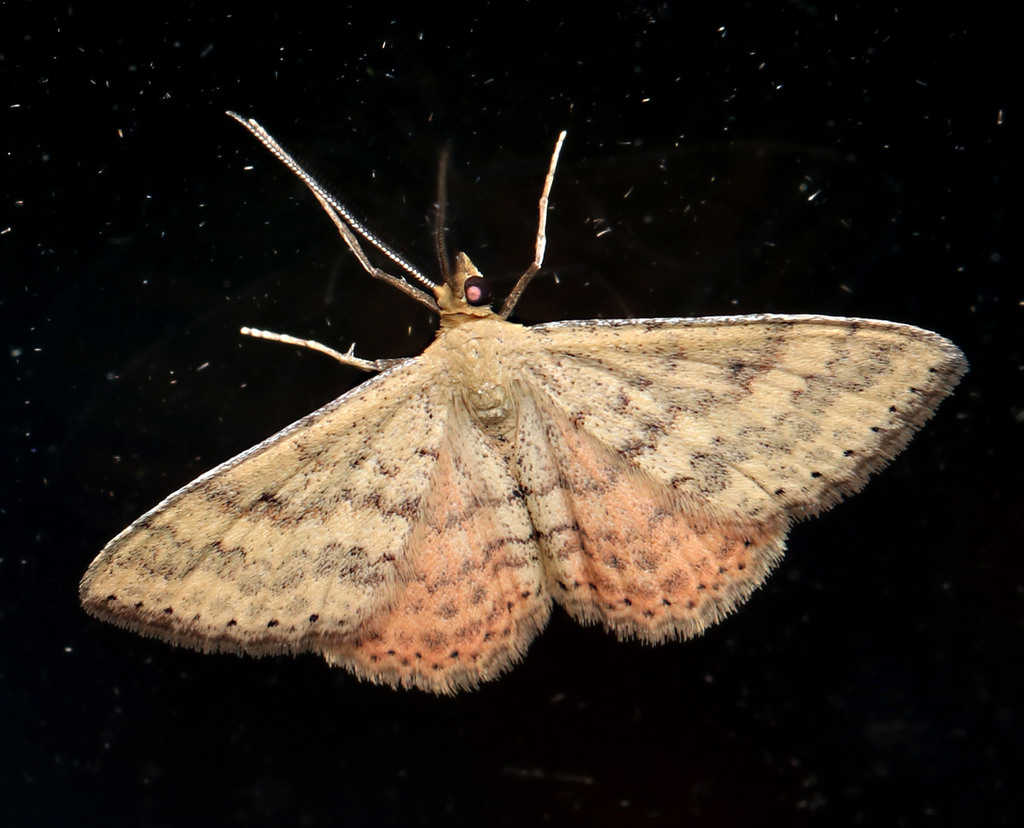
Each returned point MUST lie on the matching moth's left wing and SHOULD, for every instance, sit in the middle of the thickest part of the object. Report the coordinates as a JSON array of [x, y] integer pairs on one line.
[[755, 412], [664, 460]]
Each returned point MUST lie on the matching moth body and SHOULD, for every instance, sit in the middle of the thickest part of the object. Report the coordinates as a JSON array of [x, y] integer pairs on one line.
[[418, 530]]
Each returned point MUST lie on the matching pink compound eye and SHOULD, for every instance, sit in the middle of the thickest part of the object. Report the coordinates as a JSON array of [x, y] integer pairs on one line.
[[477, 291]]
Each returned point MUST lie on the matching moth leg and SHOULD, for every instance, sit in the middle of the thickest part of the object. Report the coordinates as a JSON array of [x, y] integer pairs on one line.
[[364, 260], [347, 358], [542, 234], [344, 220]]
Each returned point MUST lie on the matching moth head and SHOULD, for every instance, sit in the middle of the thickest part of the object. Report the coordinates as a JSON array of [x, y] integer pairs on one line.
[[466, 292]]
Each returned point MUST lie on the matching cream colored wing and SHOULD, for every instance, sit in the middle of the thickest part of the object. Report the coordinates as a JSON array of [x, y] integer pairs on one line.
[[293, 544], [669, 457]]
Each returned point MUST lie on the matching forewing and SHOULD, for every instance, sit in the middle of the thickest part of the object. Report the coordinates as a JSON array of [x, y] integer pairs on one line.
[[748, 414], [476, 593], [294, 543]]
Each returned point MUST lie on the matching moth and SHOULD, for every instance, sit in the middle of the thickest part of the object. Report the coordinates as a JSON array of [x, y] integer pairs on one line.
[[641, 473]]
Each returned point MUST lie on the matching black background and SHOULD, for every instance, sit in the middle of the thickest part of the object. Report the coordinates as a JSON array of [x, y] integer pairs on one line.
[[743, 158]]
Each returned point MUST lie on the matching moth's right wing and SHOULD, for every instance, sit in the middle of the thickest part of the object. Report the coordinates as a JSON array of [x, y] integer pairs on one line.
[[293, 544]]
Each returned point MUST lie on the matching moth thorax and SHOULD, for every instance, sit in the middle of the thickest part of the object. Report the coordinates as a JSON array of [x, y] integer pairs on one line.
[[490, 402], [485, 384], [479, 354]]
